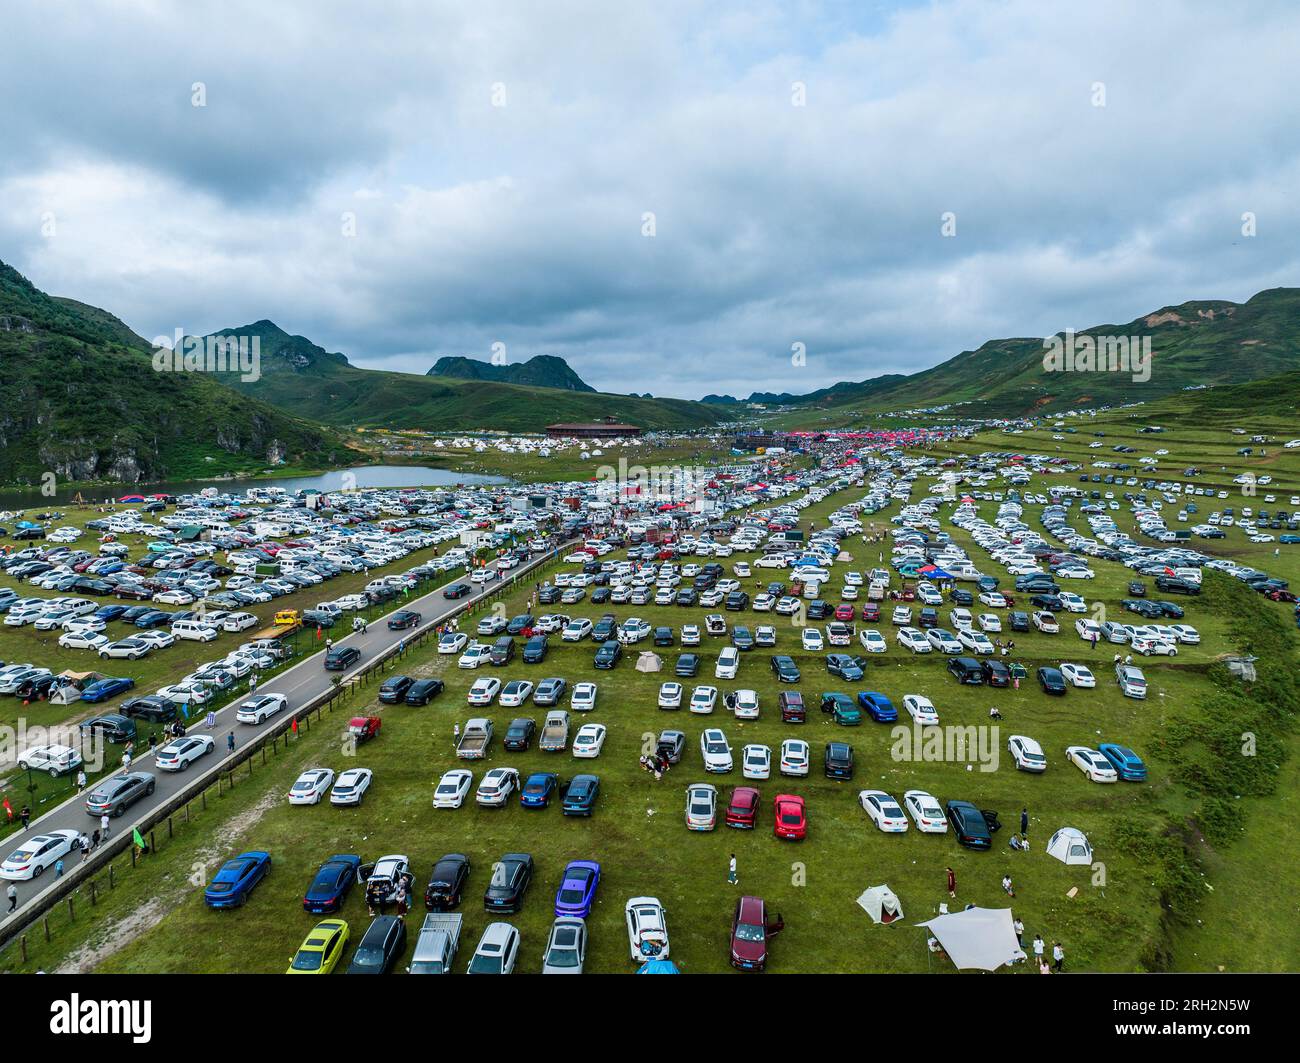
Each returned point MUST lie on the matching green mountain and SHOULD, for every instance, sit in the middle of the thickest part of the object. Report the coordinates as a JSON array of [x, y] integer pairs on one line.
[[301, 377], [1212, 342], [83, 401], [542, 371]]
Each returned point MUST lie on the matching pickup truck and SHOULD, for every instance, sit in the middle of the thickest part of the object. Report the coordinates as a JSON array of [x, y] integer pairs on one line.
[[435, 948], [475, 739], [555, 731]]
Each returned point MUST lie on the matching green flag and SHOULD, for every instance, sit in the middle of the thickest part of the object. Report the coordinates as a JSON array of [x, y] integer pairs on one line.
[[138, 837]]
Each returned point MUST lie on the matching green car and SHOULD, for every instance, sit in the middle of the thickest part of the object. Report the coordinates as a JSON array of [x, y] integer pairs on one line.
[[844, 711]]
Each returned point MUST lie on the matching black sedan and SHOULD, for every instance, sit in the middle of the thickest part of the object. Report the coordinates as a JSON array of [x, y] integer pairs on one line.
[[1051, 680], [969, 825], [403, 619], [457, 590], [785, 669], [422, 691], [510, 879]]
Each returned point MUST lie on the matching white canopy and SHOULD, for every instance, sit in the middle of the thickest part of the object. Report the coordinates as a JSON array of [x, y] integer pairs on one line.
[[881, 904], [1070, 846], [979, 938]]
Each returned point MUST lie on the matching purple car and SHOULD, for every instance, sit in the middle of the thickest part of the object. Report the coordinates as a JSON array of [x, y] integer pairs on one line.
[[577, 892]]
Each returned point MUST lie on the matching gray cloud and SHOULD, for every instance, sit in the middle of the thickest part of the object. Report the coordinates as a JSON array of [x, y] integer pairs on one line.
[[775, 224]]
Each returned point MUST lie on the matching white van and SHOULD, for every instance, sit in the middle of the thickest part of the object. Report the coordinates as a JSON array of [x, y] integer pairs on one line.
[[195, 630], [728, 663]]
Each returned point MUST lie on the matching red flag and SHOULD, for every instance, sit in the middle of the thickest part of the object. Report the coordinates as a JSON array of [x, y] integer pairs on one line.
[[8, 809], [318, 633], [294, 725]]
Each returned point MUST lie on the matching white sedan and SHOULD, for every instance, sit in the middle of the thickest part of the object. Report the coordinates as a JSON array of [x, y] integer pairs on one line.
[[872, 641], [715, 750], [756, 762], [515, 693], [181, 753], [921, 709], [452, 642], [583, 698], [994, 600], [989, 622], [453, 788], [311, 786], [589, 740], [36, 854], [925, 812], [351, 786], [1078, 675], [484, 691], [1089, 761], [703, 699], [80, 639], [795, 757], [670, 695], [883, 811]]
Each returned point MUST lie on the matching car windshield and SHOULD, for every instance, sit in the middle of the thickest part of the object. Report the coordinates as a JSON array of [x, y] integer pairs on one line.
[[307, 961], [482, 964], [749, 932]]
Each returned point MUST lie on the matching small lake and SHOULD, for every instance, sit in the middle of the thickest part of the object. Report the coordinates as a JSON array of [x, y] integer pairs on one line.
[[338, 479]]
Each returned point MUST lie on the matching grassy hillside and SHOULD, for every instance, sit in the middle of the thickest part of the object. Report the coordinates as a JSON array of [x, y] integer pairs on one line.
[[301, 377], [1196, 343], [543, 371], [84, 402]]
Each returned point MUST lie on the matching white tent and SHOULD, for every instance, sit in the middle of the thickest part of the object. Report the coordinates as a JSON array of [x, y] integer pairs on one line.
[[979, 938], [648, 662], [881, 904], [1070, 846]]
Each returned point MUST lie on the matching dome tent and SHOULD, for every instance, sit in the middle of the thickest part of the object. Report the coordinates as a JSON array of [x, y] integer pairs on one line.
[[881, 903], [648, 661], [1070, 846]]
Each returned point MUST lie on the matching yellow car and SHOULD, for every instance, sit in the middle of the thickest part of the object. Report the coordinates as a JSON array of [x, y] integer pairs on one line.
[[320, 953]]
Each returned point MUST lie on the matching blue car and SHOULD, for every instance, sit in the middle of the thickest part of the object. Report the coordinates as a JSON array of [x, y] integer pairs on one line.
[[103, 689], [110, 612], [577, 892], [1128, 765], [329, 889], [231, 885], [153, 618], [539, 789], [580, 797], [880, 707]]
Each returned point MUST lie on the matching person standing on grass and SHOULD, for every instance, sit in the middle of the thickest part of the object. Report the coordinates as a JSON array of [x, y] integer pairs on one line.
[[1007, 887], [1024, 822], [1058, 957], [732, 877], [952, 882], [1019, 928], [1039, 945], [25, 815], [455, 734]]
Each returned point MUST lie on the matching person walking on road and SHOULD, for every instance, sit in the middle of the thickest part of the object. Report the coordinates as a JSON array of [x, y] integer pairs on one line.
[[252, 684], [230, 742], [81, 781], [103, 827], [12, 894]]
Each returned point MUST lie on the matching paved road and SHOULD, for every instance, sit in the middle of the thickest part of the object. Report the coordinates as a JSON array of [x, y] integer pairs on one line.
[[299, 683]]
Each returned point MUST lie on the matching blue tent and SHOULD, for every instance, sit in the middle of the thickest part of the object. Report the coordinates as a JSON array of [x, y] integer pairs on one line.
[[659, 967]]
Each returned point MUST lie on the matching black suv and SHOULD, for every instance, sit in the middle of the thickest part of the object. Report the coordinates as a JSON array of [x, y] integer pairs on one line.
[[966, 670], [688, 664], [338, 658], [394, 688]]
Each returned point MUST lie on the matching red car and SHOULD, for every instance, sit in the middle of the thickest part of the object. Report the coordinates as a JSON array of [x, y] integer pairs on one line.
[[792, 707], [844, 612], [363, 728], [909, 595], [790, 821], [750, 932], [742, 809], [871, 611]]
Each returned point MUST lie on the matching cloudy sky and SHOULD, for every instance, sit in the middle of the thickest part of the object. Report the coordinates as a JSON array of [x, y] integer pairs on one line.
[[403, 180]]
